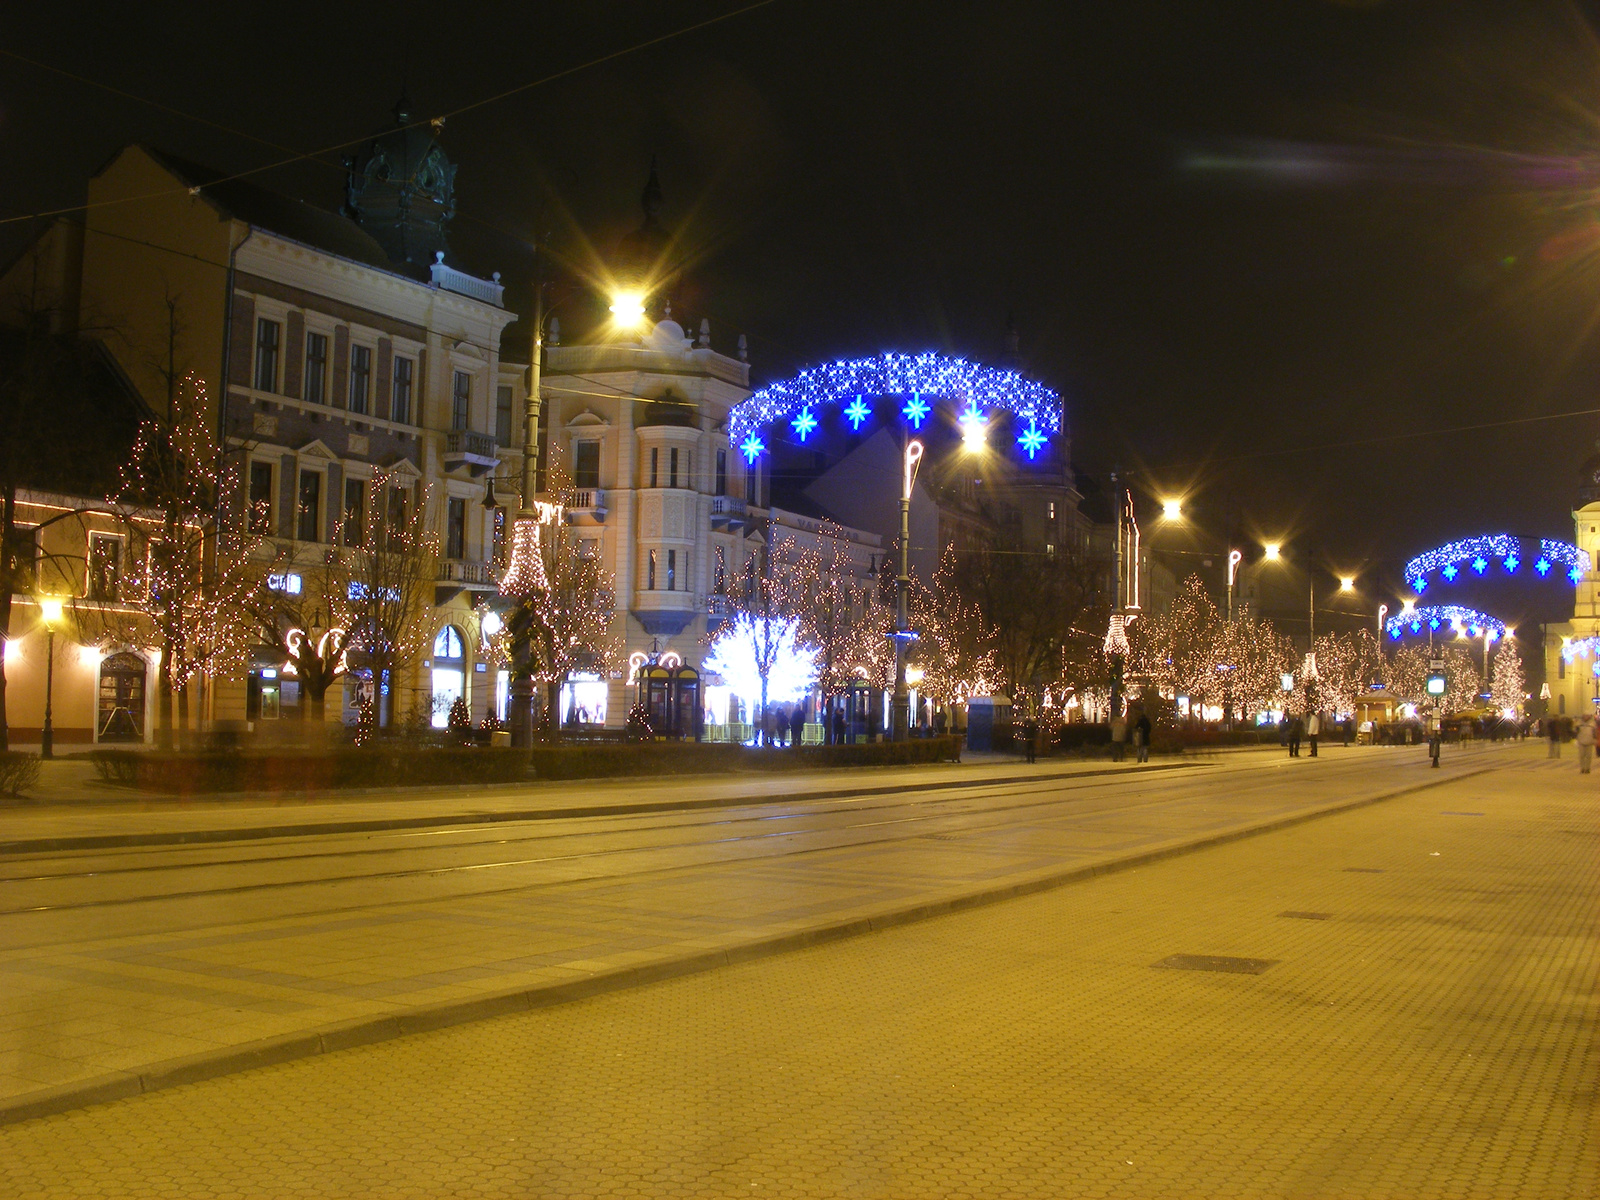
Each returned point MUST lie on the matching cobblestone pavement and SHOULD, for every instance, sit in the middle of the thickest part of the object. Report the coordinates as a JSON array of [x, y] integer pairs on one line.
[[1422, 1024], [126, 970]]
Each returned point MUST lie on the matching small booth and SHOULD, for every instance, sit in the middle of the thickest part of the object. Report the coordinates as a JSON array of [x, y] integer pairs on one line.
[[671, 698], [988, 723]]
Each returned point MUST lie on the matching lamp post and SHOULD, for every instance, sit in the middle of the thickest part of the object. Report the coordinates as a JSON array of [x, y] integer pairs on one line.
[[50, 614], [1235, 557], [900, 721], [1383, 611]]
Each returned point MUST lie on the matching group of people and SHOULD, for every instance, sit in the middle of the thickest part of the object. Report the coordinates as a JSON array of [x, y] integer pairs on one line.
[[1139, 730], [1583, 735], [1298, 730]]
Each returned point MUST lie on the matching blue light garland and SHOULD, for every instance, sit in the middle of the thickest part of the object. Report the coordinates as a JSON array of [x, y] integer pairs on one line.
[[1480, 553], [898, 375], [1438, 616], [1580, 648]]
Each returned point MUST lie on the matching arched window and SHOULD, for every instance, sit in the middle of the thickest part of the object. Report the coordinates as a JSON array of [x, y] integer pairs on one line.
[[448, 643]]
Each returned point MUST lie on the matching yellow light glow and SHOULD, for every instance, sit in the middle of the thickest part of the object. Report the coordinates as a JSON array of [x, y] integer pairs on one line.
[[1347, 584], [974, 433], [627, 309], [1274, 551], [50, 609], [1172, 509], [913, 676]]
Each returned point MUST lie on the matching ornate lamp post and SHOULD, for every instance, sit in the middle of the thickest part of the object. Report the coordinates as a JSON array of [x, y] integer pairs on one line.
[[901, 719], [50, 614]]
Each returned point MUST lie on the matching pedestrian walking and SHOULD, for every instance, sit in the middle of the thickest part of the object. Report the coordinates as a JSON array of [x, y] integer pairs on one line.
[[1585, 740], [1313, 731], [797, 725], [1296, 731], [838, 728], [1119, 736], [1552, 728], [1141, 737], [1030, 738]]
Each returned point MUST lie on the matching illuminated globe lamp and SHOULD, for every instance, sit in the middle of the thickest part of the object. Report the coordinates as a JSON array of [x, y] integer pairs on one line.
[[50, 616]]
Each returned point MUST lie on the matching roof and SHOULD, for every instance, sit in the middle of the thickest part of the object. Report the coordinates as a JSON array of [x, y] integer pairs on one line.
[[255, 205]]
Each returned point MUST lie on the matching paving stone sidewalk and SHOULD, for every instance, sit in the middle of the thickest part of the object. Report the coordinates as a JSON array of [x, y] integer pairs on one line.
[[1424, 1029], [114, 1016]]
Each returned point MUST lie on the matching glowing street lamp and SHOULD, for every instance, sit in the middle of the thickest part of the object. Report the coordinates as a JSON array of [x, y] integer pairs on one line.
[[50, 614], [1347, 583], [1235, 557], [1172, 510], [627, 310], [1273, 551]]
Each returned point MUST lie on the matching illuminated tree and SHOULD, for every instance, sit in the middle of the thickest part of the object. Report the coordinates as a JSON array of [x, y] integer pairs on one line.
[[763, 658], [1507, 689], [955, 646], [188, 553], [309, 625], [1347, 664], [565, 622]]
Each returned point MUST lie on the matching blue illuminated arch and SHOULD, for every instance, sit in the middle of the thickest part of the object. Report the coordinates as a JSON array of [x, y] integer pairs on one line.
[[1496, 553], [852, 385], [1440, 619]]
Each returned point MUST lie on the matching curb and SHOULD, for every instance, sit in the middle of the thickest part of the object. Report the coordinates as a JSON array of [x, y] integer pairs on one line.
[[370, 1030], [105, 841]]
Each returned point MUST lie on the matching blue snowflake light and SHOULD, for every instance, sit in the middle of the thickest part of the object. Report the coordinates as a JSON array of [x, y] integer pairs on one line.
[[1419, 585], [1576, 575], [1450, 572], [1567, 555], [916, 411], [858, 412], [1542, 566], [804, 424], [1480, 564], [1031, 440], [1512, 563], [1438, 616], [752, 448], [915, 375]]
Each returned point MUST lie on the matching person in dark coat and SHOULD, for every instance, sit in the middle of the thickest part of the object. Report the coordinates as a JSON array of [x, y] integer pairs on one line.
[[1030, 738], [1296, 731], [797, 725], [1142, 730]]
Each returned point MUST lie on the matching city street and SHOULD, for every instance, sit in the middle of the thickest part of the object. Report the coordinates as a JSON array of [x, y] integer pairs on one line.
[[1394, 1000]]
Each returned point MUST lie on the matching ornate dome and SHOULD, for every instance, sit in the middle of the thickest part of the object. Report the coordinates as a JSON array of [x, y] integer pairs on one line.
[[401, 190]]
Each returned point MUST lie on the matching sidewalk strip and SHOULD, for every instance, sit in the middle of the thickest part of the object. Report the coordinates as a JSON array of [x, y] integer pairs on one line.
[[366, 1031]]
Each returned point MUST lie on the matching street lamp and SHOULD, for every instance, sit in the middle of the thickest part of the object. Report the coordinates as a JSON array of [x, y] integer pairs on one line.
[[901, 718], [627, 310], [1235, 557], [1272, 551], [50, 614], [1383, 611], [1172, 510]]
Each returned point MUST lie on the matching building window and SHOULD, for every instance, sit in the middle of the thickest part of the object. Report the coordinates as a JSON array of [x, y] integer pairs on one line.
[[1049, 549], [316, 368], [455, 534], [1561, 666], [105, 567], [499, 537], [360, 379], [461, 401], [355, 512], [722, 473], [672, 466], [720, 580], [650, 572], [655, 466], [1563, 705], [396, 521], [752, 484], [309, 507], [502, 416], [672, 570], [1052, 514], [400, 405], [586, 465], [266, 355], [261, 497]]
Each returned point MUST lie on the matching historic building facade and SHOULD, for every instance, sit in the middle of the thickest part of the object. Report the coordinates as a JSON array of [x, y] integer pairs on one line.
[[1572, 648]]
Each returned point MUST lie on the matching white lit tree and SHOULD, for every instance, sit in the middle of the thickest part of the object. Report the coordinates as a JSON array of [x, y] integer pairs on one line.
[[1507, 687]]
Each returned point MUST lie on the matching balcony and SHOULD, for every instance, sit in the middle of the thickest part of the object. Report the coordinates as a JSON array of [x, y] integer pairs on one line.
[[456, 575], [588, 506], [452, 280], [475, 451], [728, 511]]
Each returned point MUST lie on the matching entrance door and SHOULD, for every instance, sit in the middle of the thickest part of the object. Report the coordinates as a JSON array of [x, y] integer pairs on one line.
[[120, 716]]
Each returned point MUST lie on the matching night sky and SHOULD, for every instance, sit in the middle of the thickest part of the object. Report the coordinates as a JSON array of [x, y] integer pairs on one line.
[[1233, 235]]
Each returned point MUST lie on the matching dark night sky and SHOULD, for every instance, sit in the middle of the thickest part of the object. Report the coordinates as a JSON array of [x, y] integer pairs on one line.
[[1226, 229]]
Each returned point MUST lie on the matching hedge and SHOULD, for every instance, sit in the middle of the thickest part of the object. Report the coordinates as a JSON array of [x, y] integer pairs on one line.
[[343, 767], [19, 772], [381, 766]]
